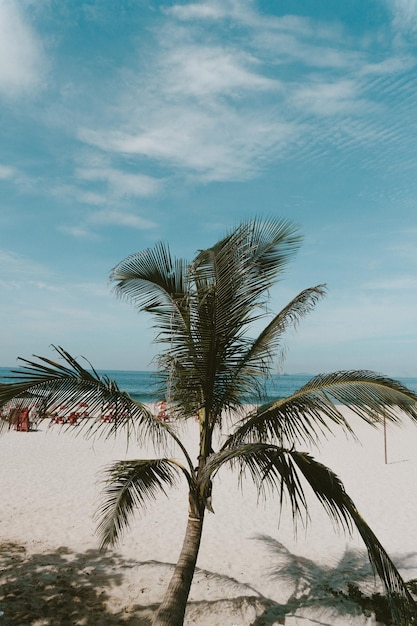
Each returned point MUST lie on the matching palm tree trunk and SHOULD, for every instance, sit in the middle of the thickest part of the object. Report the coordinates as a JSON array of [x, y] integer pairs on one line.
[[172, 609]]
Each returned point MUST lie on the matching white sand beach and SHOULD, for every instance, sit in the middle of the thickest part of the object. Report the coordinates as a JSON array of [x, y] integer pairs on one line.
[[251, 569]]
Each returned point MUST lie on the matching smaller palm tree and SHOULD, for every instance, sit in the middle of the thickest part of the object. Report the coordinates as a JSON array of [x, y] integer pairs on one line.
[[209, 363]]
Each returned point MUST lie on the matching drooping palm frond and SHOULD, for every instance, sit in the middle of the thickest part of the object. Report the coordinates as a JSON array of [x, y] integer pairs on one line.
[[365, 393], [250, 374], [231, 282], [312, 410], [270, 468], [203, 310], [233, 277], [278, 470], [288, 421], [262, 249], [330, 491], [50, 384], [155, 282], [130, 485]]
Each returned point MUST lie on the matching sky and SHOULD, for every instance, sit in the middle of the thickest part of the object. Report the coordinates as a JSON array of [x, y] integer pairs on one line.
[[126, 123]]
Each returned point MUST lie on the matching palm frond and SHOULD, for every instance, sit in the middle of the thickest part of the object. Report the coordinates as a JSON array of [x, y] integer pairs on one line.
[[231, 281], [147, 277], [204, 310], [287, 422], [252, 370], [263, 249], [270, 468], [277, 470], [130, 485], [155, 282], [330, 491], [237, 272], [368, 394], [50, 384], [314, 409]]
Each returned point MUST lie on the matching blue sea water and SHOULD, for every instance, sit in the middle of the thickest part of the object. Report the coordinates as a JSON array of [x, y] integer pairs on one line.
[[141, 385]]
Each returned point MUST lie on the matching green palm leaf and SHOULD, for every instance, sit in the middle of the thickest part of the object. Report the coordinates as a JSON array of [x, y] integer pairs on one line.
[[203, 314], [276, 470], [261, 249], [155, 282], [310, 412], [270, 468], [52, 384], [328, 488], [130, 485], [249, 374], [222, 310]]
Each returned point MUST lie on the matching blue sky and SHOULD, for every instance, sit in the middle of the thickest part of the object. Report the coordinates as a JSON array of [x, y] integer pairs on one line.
[[123, 123]]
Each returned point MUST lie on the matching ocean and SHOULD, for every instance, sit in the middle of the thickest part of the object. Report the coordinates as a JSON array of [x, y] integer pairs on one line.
[[141, 384]]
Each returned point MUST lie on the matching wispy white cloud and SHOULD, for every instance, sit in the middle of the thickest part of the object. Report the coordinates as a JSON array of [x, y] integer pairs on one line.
[[118, 186], [220, 108], [245, 13], [120, 218], [119, 182], [404, 14], [225, 146], [90, 197], [19, 268], [7, 172], [287, 37], [209, 71], [327, 98], [388, 67], [201, 10], [88, 229], [304, 42], [71, 192], [78, 232], [192, 108], [396, 283], [22, 59]]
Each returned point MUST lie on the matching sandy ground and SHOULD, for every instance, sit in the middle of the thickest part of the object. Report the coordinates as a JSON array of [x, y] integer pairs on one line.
[[252, 570]]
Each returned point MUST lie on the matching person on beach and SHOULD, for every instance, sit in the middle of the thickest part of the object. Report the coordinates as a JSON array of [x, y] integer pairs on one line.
[[208, 500], [162, 413]]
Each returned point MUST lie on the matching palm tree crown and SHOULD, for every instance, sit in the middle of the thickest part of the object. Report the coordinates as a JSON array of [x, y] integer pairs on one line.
[[203, 315]]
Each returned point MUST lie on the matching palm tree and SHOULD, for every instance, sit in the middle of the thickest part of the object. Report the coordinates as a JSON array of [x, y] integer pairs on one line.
[[203, 313]]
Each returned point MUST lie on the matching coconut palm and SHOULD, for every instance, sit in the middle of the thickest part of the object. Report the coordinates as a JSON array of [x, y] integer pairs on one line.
[[203, 313]]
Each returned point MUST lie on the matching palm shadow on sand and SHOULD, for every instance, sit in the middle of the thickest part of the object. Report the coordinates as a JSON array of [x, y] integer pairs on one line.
[[324, 587], [63, 588], [59, 588]]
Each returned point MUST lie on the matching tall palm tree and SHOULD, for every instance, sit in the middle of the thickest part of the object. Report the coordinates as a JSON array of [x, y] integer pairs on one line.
[[203, 313]]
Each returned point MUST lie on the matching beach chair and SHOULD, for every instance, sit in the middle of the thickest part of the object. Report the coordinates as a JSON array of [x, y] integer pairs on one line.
[[14, 417], [84, 409], [23, 424], [73, 418], [108, 412]]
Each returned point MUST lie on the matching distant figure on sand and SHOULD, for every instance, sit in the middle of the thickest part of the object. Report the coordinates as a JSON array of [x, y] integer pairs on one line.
[[209, 504], [162, 413]]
